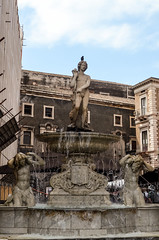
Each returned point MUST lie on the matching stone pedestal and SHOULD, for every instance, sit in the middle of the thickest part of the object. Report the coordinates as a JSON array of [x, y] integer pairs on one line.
[[79, 185], [63, 199]]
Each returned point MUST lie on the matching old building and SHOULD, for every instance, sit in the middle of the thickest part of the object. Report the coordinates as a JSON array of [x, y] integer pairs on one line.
[[46, 103], [10, 76], [10, 67], [147, 119]]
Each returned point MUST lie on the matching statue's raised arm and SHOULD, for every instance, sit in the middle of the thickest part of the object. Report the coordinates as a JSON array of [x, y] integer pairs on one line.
[[39, 160], [125, 160], [74, 78]]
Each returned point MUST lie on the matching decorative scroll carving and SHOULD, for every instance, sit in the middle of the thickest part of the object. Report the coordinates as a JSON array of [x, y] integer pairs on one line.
[[79, 179]]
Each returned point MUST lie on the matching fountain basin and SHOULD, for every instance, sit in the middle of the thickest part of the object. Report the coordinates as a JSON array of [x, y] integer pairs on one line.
[[78, 142], [113, 222]]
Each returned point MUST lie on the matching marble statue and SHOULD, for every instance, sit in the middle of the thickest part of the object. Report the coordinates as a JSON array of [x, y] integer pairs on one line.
[[133, 165], [22, 192], [80, 83]]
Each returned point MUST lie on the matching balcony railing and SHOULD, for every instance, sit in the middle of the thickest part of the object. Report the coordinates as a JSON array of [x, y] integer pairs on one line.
[[141, 114]]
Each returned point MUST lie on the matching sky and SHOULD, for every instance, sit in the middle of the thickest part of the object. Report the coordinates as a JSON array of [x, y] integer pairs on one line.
[[119, 39]]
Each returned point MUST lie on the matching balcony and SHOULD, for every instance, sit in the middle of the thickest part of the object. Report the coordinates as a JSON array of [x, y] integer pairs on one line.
[[141, 114]]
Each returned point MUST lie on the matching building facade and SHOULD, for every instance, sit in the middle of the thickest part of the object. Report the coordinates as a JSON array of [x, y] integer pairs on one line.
[[10, 69], [46, 103], [147, 119]]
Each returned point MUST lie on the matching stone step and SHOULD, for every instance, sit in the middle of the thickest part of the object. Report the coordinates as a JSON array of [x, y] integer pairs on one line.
[[130, 236]]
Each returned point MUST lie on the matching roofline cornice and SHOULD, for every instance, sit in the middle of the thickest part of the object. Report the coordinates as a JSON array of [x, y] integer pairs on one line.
[[67, 76], [66, 95], [145, 82]]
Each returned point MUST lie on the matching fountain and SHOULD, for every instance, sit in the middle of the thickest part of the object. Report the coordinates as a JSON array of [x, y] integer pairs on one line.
[[79, 185], [79, 206]]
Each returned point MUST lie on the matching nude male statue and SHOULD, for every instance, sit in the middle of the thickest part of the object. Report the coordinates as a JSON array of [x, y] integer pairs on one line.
[[22, 192], [80, 83], [133, 165]]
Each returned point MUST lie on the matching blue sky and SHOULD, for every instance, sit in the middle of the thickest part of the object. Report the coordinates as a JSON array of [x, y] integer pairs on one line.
[[118, 38]]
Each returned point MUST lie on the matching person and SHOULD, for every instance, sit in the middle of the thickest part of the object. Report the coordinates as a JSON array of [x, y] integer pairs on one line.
[[145, 194], [133, 165], [22, 192], [80, 84]]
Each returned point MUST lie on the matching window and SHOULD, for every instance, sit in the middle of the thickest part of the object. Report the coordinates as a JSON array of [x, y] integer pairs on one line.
[[144, 141], [117, 120], [133, 145], [27, 109], [143, 105], [27, 138], [132, 122], [48, 112]]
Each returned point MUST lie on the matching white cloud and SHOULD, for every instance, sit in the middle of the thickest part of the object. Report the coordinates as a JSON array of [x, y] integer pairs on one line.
[[108, 23]]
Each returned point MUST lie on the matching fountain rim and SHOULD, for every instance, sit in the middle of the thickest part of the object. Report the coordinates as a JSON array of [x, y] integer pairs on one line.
[[78, 142], [77, 134]]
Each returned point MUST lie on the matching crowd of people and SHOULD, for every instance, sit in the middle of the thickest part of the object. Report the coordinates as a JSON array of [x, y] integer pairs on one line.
[[151, 194]]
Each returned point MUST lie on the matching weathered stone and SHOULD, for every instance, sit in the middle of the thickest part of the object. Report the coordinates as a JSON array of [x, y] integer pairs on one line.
[[113, 218], [131, 219], [133, 165], [13, 230], [49, 219], [86, 220], [76, 201], [7, 219], [20, 218], [22, 192], [55, 233], [79, 174], [93, 233], [80, 83]]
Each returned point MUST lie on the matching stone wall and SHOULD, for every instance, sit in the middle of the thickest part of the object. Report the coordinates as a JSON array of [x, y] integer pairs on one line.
[[83, 223]]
